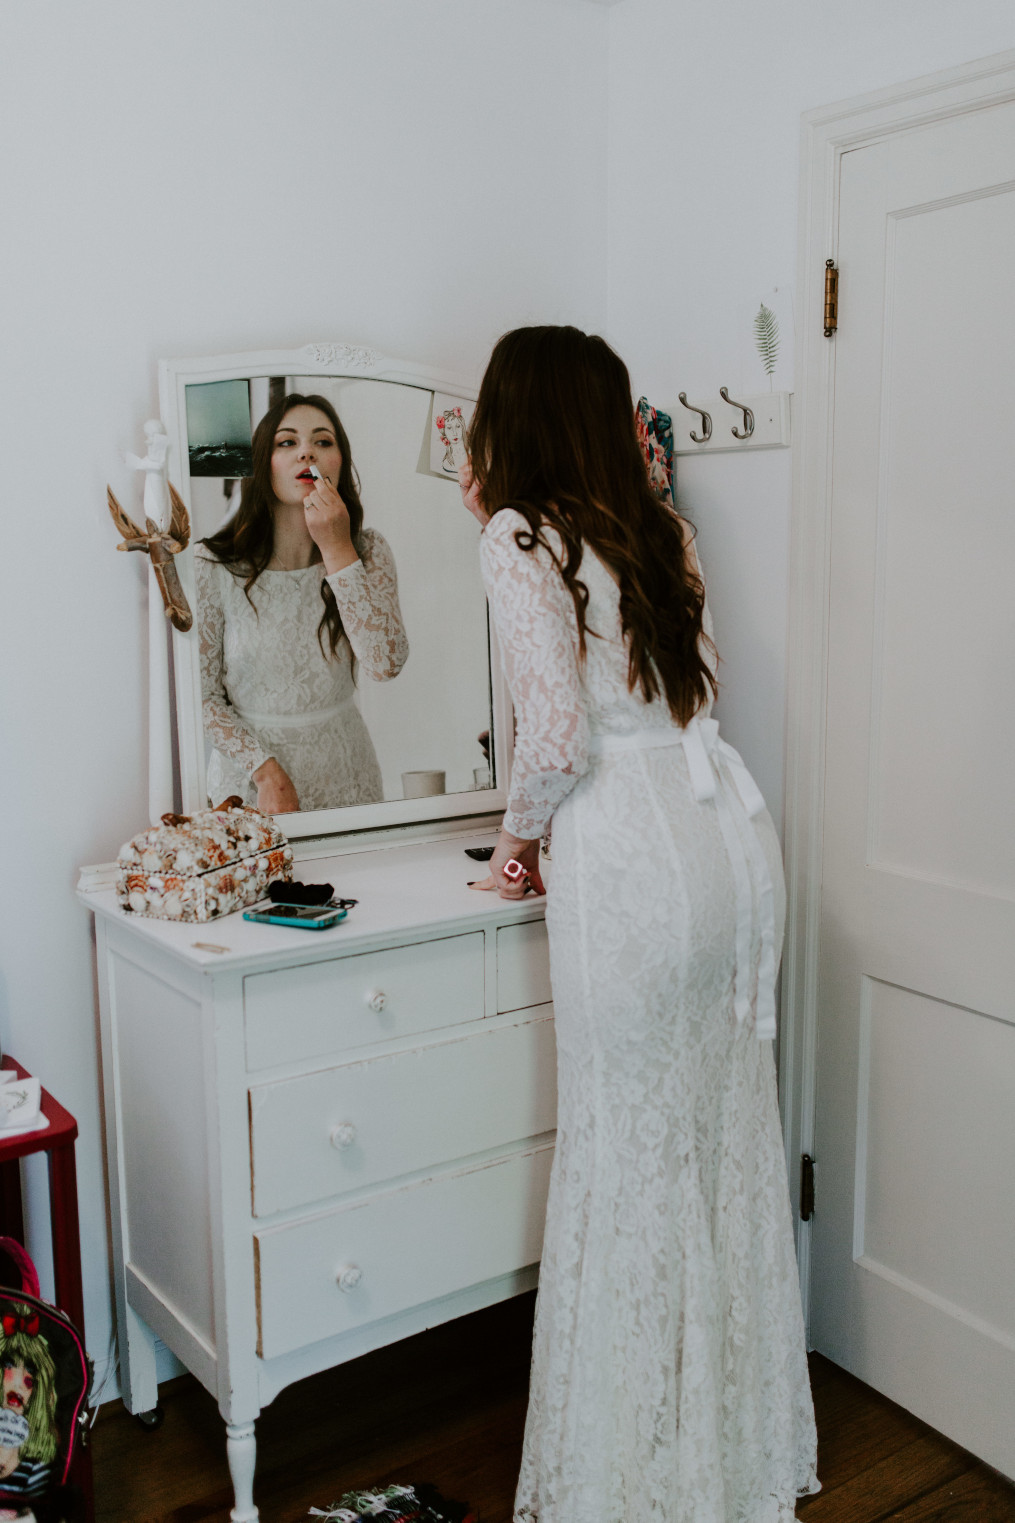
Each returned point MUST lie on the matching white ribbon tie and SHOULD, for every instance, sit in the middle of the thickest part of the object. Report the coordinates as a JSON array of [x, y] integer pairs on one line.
[[703, 748]]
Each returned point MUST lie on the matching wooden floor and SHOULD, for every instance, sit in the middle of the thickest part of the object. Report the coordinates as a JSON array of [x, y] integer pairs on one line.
[[448, 1407]]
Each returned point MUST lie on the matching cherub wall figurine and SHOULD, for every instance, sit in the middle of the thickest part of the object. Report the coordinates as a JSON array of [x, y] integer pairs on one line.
[[159, 539], [153, 463]]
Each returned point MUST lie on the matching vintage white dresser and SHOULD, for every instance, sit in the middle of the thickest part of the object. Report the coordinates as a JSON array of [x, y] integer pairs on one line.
[[321, 1142]]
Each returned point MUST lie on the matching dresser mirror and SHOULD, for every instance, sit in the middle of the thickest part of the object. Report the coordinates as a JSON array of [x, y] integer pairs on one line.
[[383, 746]]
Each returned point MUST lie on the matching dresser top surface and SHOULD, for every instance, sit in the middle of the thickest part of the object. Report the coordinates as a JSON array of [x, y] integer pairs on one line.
[[416, 889]]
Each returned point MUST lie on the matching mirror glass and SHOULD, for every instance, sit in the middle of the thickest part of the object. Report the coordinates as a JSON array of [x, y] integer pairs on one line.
[[351, 730]]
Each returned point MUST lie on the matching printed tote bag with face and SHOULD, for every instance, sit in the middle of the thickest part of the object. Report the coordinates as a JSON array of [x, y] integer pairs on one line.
[[47, 1377]]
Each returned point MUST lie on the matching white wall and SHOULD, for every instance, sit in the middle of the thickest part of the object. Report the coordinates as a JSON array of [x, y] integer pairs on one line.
[[193, 178], [197, 178], [705, 104]]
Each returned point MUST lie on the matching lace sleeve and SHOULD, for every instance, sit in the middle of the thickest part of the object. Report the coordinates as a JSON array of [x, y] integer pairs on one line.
[[534, 617], [367, 596], [222, 724]]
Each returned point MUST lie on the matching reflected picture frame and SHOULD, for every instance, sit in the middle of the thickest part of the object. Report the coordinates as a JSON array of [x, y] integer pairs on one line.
[[337, 361]]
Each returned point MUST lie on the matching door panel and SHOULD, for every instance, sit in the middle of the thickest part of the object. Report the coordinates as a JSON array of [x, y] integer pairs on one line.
[[917, 1154], [947, 545], [913, 1247]]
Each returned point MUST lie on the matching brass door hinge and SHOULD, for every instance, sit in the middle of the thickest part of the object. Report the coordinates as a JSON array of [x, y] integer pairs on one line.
[[831, 298], [806, 1187]]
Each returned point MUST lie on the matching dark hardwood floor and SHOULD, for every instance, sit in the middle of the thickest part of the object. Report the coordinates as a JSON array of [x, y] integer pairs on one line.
[[448, 1407]]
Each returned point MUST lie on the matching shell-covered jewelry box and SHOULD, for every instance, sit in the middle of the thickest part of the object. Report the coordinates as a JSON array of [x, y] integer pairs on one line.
[[200, 866]]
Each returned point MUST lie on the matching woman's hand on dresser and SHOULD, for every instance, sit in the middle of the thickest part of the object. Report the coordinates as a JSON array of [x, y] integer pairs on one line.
[[328, 523], [275, 791], [470, 495], [510, 848]]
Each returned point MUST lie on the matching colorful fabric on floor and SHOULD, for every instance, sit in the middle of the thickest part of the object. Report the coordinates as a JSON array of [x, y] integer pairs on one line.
[[395, 1504]]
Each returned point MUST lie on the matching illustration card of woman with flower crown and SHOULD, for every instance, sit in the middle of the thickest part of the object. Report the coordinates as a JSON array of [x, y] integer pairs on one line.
[[449, 420]]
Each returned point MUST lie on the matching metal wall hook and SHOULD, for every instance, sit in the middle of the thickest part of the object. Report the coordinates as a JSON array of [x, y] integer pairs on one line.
[[748, 415], [706, 421]]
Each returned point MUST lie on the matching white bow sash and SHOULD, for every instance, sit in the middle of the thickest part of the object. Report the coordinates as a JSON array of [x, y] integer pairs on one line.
[[702, 748]]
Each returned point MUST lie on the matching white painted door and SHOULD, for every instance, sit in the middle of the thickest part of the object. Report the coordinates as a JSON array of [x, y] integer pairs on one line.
[[913, 1248]]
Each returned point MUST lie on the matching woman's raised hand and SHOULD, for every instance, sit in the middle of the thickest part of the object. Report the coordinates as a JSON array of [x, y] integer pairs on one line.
[[470, 494], [527, 853], [328, 523], [275, 791]]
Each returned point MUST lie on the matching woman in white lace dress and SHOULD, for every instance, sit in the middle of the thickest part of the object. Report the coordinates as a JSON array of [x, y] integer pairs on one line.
[[293, 594], [669, 1378]]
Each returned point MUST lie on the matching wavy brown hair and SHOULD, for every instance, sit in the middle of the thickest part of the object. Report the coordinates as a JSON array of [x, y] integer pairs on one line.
[[246, 543], [553, 436]]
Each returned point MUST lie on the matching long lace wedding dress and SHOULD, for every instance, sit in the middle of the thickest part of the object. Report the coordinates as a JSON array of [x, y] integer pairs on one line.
[[269, 690], [669, 1379]]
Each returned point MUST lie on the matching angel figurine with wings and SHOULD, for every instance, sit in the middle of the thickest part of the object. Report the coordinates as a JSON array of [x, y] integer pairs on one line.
[[161, 543]]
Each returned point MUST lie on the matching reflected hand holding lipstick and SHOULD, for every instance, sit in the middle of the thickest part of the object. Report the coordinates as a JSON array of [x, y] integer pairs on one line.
[[327, 519]]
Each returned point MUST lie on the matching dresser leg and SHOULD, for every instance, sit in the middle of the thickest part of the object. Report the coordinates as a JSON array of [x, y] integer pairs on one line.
[[241, 1452]]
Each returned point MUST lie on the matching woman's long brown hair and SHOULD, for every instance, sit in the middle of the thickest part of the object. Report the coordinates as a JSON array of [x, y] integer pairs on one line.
[[246, 543], [553, 436]]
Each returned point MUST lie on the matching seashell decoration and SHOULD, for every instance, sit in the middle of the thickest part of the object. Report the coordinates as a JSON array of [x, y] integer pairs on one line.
[[202, 866]]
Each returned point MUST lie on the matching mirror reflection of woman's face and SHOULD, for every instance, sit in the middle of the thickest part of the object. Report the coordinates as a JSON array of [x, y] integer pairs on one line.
[[304, 437]]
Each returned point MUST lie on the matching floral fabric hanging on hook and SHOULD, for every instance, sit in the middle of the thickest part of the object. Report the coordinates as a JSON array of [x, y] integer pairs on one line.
[[655, 434]]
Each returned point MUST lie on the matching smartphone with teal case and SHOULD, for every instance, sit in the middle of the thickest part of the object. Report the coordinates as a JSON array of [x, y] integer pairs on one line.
[[306, 917]]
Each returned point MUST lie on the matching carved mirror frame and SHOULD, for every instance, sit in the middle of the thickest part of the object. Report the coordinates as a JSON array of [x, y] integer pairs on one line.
[[339, 361]]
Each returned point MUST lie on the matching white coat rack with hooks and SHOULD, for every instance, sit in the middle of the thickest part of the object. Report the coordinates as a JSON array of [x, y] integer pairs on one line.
[[710, 423]]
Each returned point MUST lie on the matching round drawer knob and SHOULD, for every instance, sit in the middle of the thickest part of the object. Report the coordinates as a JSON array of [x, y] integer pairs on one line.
[[377, 1000], [349, 1276], [343, 1135]]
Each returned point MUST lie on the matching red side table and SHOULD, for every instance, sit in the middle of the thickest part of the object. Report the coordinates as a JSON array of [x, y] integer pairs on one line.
[[57, 1139]]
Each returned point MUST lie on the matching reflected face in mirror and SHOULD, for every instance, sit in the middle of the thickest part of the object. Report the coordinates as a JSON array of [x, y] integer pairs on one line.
[[305, 437], [295, 597]]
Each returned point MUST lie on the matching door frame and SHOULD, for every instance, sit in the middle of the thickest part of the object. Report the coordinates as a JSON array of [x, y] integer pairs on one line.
[[826, 134]]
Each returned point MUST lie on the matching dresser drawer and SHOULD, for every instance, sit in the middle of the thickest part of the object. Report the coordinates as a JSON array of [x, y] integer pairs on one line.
[[328, 1007], [337, 1272], [362, 1123], [523, 966]]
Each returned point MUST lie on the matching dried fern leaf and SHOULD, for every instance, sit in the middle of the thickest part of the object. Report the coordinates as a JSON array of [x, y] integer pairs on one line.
[[766, 338]]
